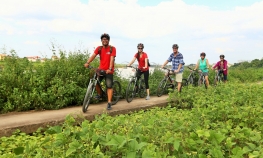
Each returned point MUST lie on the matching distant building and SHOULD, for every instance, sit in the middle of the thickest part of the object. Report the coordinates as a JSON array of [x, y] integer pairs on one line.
[[54, 57], [2, 56], [33, 58], [43, 59]]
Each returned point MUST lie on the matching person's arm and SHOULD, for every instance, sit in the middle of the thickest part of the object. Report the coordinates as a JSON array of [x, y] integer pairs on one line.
[[207, 63], [197, 65], [111, 62], [146, 63], [179, 67], [166, 62], [133, 60], [215, 66], [90, 60], [181, 63]]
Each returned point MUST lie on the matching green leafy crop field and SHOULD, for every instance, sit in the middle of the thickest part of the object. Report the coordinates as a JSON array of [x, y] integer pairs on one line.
[[226, 121]]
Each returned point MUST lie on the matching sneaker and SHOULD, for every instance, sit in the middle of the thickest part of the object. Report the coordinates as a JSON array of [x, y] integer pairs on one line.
[[97, 97], [147, 98], [109, 106]]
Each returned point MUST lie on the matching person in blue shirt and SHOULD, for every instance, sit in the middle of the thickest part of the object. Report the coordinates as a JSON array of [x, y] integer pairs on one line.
[[177, 60]]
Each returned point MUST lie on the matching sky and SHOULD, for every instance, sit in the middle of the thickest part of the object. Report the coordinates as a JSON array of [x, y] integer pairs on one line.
[[230, 27]]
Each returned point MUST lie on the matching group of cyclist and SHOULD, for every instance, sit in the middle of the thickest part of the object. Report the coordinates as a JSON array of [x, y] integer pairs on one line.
[[107, 55]]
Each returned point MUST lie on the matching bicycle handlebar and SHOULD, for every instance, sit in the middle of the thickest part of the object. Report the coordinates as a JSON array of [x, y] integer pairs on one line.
[[131, 67], [165, 68]]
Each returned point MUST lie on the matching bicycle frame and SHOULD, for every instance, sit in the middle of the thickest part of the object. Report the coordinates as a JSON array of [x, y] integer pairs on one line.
[[135, 78], [95, 81], [191, 75]]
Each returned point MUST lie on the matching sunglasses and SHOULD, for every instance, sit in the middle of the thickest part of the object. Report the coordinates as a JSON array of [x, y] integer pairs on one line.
[[139, 48]]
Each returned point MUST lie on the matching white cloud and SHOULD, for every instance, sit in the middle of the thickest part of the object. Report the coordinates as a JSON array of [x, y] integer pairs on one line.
[[129, 19], [199, 26]]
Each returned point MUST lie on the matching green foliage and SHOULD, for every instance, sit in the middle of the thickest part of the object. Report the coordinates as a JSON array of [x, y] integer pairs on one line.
[[219, 122], [52, 84]]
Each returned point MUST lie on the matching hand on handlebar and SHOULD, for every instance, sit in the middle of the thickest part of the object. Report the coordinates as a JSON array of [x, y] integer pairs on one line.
[[86, 65]]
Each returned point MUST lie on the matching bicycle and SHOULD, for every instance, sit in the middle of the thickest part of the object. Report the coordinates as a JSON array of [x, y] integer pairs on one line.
[[135, 86], [168, 83], [91, 87], [201, 80], [218, 77], [191, 79]]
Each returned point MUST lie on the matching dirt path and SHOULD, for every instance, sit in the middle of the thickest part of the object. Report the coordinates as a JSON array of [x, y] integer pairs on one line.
[[29, 122]]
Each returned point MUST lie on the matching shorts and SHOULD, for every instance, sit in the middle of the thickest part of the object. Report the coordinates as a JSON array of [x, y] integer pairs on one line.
[[178, 76], [108, 79], [205, 73]]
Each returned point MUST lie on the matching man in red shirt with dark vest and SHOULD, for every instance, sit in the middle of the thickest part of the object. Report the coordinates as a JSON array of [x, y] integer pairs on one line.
[[107, 55]]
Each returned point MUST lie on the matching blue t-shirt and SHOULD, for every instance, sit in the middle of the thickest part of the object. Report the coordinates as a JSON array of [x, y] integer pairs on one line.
[[176, 60]]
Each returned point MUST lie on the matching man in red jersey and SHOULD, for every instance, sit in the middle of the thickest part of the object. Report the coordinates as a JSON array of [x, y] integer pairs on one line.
[[107, 55]]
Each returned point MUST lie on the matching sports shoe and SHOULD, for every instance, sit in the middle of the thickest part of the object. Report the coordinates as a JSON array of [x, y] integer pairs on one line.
[[109, 106], [147, 98], [97, 97]]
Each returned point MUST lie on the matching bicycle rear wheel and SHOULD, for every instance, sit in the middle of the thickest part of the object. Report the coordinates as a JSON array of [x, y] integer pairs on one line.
[[191, 81], [142, 89], [88, 97], [130, 91], [161, 88], [116, 92]]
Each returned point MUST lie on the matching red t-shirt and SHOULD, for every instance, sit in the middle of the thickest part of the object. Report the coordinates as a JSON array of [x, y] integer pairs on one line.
[[142, 61], [105, 56]]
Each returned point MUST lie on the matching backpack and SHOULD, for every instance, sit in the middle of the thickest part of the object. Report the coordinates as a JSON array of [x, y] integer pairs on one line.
[[99, 51]]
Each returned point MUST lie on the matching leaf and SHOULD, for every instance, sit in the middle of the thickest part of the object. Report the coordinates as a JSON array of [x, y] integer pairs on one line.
[[170, 140], [147, 154], [122, 144], [216, 138], [133, 145], [142, 144], [70, 151], [237, 151], [19, 150], [246, 150], [97, 150], [55, 129], [176, 145], [254, 154], [251, 146], [131, 154], [75, 144]]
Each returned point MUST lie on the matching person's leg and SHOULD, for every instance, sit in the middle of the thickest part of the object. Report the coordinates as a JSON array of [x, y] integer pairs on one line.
[[139, 73], [206, 79], [109, 82], [146, 80], [225, 78], [179, 79]]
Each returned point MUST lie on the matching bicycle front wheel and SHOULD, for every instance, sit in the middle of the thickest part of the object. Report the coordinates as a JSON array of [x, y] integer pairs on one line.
[[130, 91], [142, 90], [116, 92], [88, 97], [161, 88]]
